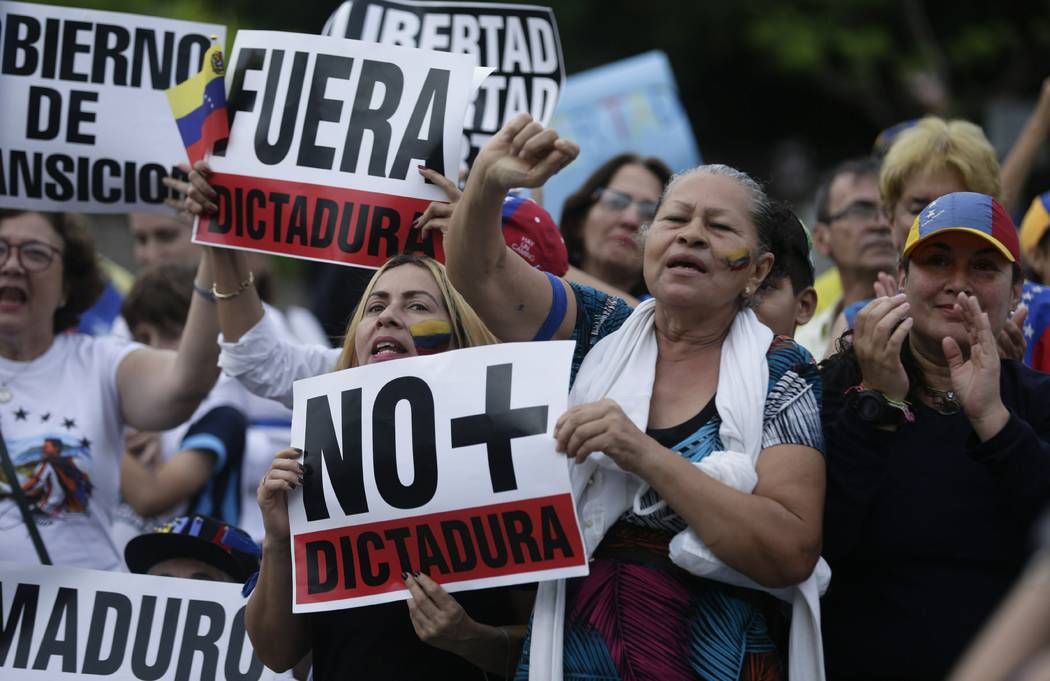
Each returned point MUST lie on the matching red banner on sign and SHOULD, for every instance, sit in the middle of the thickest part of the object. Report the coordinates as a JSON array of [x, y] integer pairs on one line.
[[316, 222], [461, 545]]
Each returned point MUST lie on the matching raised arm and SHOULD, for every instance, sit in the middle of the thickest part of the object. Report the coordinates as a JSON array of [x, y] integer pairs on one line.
[[160, 389], [1018, 163], [512, 298]]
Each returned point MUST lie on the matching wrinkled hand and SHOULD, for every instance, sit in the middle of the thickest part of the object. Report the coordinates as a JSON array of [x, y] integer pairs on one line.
[[603, 427], [522, 154], [439, 620], [976, 380], [438, 213], [143, 445], [1011, 340], [878, 334], [284, 474], [201, 198]]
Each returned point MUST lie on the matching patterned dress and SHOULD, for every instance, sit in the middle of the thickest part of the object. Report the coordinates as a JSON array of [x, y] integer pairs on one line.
[[637, 615]]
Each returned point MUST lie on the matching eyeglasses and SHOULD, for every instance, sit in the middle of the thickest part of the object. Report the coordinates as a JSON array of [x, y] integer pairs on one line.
[[617, 201], [858, 210], [33, 256]]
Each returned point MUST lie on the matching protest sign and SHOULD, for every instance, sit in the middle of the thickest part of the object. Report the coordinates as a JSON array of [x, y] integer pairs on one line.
[[520, 42], [70, 623], [443, 464], [325, 138], [84, 122], [626, 106]]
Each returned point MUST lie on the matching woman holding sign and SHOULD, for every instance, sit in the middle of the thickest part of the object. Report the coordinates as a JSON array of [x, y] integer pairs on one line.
[[65, 398], [695, 437], [407, 309]]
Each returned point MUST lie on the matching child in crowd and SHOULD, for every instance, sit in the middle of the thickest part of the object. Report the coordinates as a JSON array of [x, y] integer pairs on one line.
[[197, 465], [195, 547], [791, 299]]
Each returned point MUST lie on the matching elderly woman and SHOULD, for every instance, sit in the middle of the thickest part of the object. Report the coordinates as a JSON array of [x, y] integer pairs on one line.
[[65, 398], [938, 452], [694, 434]]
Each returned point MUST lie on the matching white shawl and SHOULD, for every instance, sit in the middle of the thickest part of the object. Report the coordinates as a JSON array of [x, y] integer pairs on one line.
[[622, 367]]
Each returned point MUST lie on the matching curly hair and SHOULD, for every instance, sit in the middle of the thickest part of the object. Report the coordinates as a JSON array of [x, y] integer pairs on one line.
[[82, 278]]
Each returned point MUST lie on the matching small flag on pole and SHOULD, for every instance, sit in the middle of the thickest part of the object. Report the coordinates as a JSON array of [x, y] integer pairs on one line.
[[199, 105]]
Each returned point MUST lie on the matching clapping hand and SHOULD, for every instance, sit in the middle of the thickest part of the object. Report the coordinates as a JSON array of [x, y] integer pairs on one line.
[[975, 379], [878, 334]]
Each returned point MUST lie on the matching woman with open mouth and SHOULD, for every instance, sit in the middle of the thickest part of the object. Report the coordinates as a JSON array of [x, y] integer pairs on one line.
[[409, 308]]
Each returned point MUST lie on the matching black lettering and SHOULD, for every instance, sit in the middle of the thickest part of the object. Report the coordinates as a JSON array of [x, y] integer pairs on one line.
[[255, 230], [272, 154], [369, 576], [39, 126], [143, 633], [430, 555], [110, 50], [83, 178], [494, 555], [120, 605], [24, 45], [98, 181], [376, 120], [319, 108], [235, 651], [206, 643], [190, 55], [325, 214], [429, 149], [344, 226], [61, 188], [278, 201], [31, 178], [319, 580], [64, 610], [160, 59], [398, 535], [77, 115], [345, 472], [519, 533], [150, 186], [21, 616], [498, 426], [71, 48], [240, 99], [221, 222], [346, 553], [424, 449], [385, 224], [130, 191], [297, 222], [238, 211], [553, 535], [51, 28], [460, 548]]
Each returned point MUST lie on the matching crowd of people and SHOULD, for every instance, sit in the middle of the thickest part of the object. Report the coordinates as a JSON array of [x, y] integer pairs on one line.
[[765, 490]]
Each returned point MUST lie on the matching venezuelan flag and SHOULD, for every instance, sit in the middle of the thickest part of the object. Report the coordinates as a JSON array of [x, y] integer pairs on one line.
[[431, 336], [199, 105]]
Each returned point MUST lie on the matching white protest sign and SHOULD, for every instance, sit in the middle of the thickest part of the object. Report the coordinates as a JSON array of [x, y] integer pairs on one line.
[[84, 121], [69, 623], [520, 42], [444, 464], [325, 139]]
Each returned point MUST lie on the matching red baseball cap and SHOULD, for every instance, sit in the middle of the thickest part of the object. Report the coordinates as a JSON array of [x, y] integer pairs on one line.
[[531, 233]]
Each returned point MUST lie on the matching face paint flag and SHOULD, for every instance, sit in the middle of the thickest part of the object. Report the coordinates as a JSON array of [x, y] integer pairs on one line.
[[199, 105], [488, 502], [326, 138]]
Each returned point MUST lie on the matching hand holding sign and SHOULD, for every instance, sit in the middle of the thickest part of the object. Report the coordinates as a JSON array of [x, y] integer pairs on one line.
[[438, 213], [283, 475], [523, 154]]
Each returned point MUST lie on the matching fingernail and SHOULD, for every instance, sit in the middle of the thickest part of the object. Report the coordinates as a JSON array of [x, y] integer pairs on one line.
[[415, 223], [301, 469], [404, 576], [300, 479], [297, 450], [418, 572], [421, 167], [212, 208]]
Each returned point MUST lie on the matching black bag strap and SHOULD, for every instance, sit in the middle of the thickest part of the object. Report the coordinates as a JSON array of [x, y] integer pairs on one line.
[[23, 504]]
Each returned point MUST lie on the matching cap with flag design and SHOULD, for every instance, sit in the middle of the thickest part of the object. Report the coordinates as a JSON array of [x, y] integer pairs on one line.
[[968, 212]]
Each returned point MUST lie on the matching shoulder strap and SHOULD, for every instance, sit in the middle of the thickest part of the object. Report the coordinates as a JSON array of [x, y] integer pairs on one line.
[[23, 504]]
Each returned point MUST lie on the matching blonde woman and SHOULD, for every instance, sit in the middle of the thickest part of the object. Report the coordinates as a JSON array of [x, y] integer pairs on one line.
[[408, 309]]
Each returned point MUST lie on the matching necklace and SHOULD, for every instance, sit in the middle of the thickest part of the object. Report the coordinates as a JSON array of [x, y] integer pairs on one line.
[[6, 394], [944, 401]]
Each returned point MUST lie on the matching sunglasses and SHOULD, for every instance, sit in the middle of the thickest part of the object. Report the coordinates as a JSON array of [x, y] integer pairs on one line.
[[617, 201]]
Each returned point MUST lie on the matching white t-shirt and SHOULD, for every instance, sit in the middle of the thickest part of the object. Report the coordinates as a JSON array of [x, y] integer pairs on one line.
[[63, 430]]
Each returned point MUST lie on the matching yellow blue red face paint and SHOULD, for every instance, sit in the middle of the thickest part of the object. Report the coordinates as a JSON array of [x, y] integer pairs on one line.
[[738, 260], [431, 336]]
